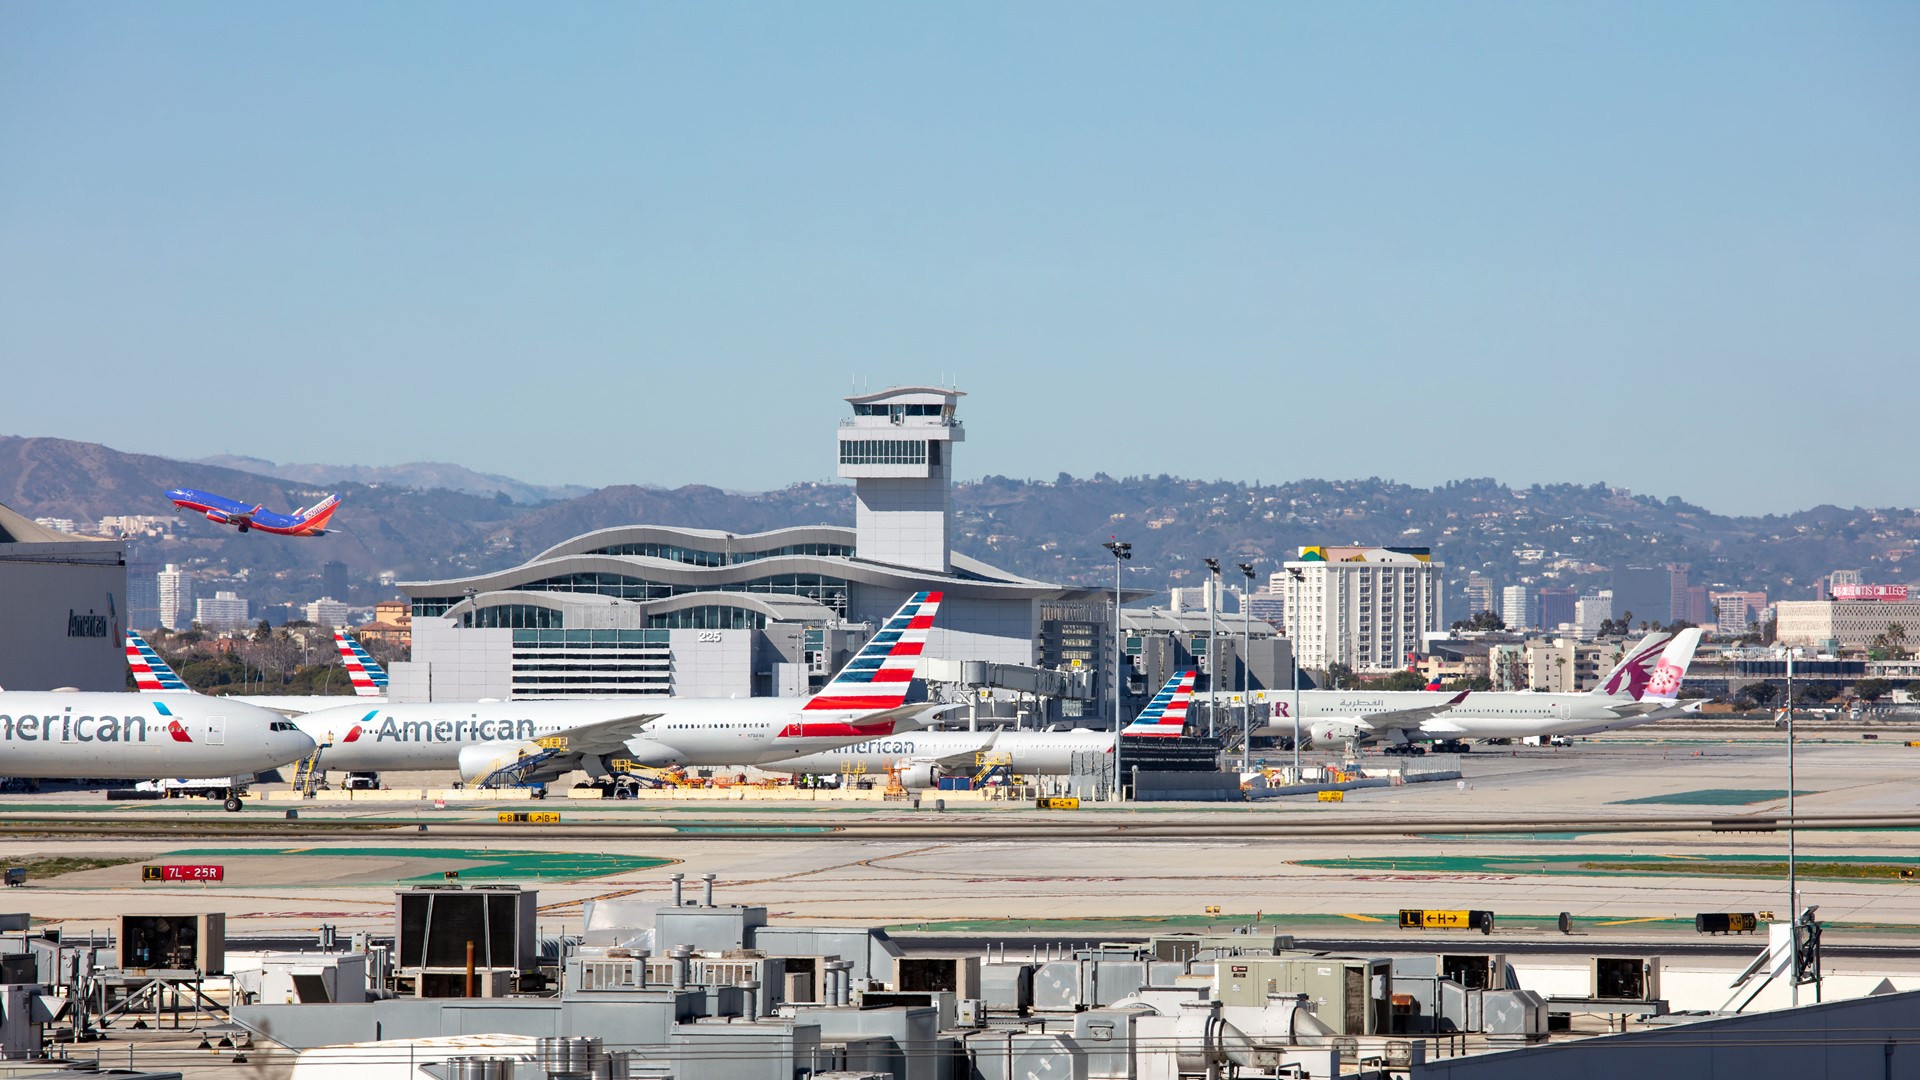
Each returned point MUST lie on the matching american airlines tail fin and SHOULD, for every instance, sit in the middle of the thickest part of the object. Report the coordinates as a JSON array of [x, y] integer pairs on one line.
[[1166, 714], [1664, 687], [1629, 678], [880, 674], [369, 679], [150, 673]]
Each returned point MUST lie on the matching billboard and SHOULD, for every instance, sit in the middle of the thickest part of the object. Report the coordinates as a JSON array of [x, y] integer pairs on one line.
[[1890, 593]]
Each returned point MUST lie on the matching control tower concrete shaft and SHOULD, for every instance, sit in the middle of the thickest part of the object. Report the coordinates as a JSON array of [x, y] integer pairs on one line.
[[898, 450]]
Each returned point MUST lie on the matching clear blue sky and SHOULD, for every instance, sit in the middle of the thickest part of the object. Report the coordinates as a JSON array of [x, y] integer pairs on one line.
[[1671, 246]]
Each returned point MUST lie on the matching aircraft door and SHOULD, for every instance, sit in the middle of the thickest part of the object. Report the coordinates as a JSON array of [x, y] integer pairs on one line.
[[216, 731], [1559, 710]]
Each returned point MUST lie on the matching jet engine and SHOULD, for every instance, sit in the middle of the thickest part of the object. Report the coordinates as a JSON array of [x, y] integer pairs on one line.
[[216, 517], [481, 760], [1330, 732], [920, 777], [655, 755]]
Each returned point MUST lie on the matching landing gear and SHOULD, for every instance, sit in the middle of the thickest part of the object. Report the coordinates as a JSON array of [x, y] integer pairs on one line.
[[233, 802]]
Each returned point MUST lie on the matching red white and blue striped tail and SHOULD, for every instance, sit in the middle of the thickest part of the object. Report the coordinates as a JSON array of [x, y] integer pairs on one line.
[[880, 674], [151, 675], [1166, 714], [369, 679]]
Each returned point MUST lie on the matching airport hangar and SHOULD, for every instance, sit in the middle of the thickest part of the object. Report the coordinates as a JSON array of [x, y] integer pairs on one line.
[[65, 608], [649, 609]]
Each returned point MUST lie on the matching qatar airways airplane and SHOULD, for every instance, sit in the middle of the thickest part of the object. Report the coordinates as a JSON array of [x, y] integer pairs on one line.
[[924, 756], [67, 735], [1643, 687], [545, 739]]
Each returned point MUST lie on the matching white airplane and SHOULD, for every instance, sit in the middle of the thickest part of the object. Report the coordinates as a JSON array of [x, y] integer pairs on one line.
[[924, 756], [532, 740], [1643, 687], [66, 734], [152, 675]]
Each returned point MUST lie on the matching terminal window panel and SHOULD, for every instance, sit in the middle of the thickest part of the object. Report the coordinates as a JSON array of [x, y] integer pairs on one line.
[[883, 452]]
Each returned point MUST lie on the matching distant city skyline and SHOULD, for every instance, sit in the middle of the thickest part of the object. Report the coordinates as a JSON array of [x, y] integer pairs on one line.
[[1671, 248]]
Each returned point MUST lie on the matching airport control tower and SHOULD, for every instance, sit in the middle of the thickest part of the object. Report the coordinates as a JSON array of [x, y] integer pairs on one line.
[[898, 450]]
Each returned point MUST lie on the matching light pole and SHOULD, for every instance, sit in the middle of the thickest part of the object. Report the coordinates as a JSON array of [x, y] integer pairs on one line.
[[1213, 672], [1121, 553], [1793, 891], [1297, 578], [1246, 670]]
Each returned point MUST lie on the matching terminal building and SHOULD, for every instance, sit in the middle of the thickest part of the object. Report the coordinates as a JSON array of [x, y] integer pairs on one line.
[[651, 609], [65, 603]]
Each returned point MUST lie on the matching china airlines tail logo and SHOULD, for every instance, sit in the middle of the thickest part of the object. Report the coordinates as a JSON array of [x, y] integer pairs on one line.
[[1634, 674], [880, 674]]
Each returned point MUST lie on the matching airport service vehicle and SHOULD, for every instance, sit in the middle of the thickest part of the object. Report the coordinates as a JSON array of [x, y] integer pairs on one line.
[[1643, 687], [922, 757], [64, 734], [153, 675], [526, 741], [311, 521]]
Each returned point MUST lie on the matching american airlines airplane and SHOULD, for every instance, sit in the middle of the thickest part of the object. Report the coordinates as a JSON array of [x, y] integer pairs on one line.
[[65, 734], [924, 756], [536, 740], [153, 675], [1643, 687]]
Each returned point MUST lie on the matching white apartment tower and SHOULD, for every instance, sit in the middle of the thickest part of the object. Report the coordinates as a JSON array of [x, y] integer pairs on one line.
[[898, 450], [225, 610], [176, 597], [1518, 609], [1366, 607]]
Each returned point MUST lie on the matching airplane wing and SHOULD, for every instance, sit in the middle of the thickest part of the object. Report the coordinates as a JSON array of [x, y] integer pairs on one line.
[[1409, 719], [961, 759], [607, 737]]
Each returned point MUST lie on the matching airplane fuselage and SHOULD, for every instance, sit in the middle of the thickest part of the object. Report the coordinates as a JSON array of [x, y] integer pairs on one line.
[[674, 731], [1031, 753], [1483, 715], [65, 735]]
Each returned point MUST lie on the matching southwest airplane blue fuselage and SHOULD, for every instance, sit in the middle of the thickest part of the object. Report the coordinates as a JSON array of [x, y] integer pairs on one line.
[[219, 509]]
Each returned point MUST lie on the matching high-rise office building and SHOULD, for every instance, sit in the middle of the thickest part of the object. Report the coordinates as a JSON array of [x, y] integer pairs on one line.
[[327, 611], [1555, 607], [1480, 594], [1643, 594], [174, 585], [333, 579], [1519, 608]]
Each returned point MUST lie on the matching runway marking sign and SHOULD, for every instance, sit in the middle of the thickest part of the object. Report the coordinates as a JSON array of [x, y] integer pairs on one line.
[[529, 817], [172, 873]]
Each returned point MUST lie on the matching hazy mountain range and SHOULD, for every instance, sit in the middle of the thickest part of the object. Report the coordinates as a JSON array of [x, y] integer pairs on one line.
[[426, 521]]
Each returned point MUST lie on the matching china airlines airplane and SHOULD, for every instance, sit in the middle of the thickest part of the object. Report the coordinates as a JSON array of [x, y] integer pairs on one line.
[[924, 756], [537, 740], [153, 675], [1643, 687], [65, 735]]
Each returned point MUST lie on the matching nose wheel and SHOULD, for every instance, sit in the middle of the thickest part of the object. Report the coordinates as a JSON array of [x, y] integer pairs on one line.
[[233, 803]]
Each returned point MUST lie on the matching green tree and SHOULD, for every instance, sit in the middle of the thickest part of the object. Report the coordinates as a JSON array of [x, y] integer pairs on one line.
[[1402, 680], [1761, 693], [1872, 689], [1816, 692], [1339, 676]]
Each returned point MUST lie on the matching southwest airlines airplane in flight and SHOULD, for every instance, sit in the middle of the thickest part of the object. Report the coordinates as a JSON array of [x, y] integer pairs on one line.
[[66, 734], [1643, 687], [221, 510], [152, 675], [924, 756], [539, 740]]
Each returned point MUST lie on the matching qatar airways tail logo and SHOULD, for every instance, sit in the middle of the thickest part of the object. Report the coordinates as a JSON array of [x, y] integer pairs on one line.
[[1636, 673]]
